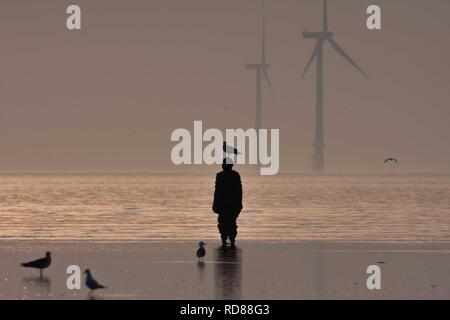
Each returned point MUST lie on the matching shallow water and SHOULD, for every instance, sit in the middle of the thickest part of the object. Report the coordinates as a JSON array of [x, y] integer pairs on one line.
[[117, 208]]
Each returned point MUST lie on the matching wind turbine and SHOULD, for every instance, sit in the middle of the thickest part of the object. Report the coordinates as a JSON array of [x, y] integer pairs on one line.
[[261, 72], [321, 37]]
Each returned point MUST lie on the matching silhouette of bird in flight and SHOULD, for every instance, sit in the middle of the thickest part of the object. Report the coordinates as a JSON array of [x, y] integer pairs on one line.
[[391, 160], [40, 264], [229, 150], [201, 251], [91, 283]]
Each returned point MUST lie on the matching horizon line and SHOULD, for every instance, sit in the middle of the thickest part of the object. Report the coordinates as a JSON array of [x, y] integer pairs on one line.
[[148, 172]]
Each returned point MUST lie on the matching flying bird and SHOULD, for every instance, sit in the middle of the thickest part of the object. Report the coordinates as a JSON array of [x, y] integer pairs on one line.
[[41, 264], [391, 160], [201, 251], [229, 150], [91, 283]]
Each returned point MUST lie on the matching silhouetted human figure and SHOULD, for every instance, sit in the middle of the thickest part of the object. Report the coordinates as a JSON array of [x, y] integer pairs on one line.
[[228, 202]]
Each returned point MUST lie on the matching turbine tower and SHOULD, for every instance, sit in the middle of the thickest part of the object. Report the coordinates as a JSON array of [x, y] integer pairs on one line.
[[321, 37], [261, 72]]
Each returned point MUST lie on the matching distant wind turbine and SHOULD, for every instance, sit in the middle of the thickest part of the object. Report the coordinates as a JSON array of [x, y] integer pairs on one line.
[[321, 37], [261, 72]]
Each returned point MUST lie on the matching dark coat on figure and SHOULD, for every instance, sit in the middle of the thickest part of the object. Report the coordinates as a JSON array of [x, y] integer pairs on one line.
[[228, 203], [228, 193]]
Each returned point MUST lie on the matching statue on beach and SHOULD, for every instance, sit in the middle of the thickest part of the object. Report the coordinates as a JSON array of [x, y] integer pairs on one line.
[[228, 202]]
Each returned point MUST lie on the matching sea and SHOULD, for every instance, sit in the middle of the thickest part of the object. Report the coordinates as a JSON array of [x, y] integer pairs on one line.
[[399, 208]]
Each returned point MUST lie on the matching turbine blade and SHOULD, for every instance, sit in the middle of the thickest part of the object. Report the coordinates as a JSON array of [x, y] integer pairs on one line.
[[345, 55], [269, 84], [313, 56], [263, 35], [325, 16]]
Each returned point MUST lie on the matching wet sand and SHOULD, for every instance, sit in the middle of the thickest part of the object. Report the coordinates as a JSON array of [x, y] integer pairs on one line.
[[257, 270]]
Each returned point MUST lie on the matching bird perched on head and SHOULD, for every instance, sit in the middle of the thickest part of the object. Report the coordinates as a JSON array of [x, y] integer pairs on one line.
[[230, 150], [201, 251], [390, 160], [91, 283], [40, 264]]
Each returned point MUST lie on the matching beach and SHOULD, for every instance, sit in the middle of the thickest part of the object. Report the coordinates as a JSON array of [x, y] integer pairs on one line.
[[257, 270]]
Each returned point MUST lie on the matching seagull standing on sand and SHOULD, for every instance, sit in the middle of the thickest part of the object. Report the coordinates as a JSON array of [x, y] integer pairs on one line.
[[201, 251], [40, 264], [230, 150], [91, 283]]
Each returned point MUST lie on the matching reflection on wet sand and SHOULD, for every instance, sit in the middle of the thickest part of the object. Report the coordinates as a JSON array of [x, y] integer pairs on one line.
[[93, 297], [320, 276], [228, 274], [201, 273], [42, 282], [38, 286]]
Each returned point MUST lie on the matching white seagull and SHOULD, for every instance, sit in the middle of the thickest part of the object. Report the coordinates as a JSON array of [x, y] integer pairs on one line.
[[201, 251], [40, 264], [91, 283], [230, 150]]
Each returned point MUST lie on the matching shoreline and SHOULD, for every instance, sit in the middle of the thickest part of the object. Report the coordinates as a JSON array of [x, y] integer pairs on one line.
[[305, 244]]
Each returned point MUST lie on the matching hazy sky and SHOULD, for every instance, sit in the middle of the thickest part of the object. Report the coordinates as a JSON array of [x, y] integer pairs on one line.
[[108, 97]]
